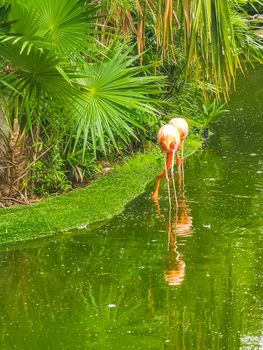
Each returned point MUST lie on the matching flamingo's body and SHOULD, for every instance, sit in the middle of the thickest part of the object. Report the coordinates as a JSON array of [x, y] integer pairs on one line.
[[181, 125], [168, 138], [169, 141]]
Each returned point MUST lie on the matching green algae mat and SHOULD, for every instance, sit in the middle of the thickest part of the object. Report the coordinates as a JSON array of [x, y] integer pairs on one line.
[[102, 199]]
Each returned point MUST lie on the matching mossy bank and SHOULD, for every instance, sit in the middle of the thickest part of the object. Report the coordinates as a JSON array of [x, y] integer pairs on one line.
[[102, 199]]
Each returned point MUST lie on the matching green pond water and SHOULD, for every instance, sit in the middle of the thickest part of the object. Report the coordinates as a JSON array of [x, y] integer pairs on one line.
[[153, 278]]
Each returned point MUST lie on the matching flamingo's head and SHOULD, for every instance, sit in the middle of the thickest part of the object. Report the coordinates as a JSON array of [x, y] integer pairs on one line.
[[168, 138]]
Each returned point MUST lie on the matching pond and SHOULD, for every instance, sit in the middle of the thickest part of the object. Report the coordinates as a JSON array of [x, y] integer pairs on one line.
[[152, 278]]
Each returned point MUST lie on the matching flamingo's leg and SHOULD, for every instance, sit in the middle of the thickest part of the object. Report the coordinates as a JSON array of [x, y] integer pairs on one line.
[[159, 177], [183, 176], [168, 183], [172, 173], [183, 150], [179, 163]]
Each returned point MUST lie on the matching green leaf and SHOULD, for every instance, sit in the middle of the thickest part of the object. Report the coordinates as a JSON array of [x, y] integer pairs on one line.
[[114, 94]]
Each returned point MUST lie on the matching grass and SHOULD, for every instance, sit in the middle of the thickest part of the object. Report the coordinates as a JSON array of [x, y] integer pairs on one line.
[[104, 198]]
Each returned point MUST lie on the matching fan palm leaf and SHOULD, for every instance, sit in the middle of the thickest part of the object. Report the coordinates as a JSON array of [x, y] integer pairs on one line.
[[40, 50], [63, 26], [36, 73], [114, 93]]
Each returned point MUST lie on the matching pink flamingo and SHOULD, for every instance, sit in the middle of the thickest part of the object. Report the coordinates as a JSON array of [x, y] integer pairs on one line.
[[169, 141], [182, 126]]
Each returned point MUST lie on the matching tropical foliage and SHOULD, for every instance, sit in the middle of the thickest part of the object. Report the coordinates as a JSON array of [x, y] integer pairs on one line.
[[214, 37], [80, 79]]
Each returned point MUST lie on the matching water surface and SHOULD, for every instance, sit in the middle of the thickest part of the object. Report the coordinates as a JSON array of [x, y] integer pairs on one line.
[[153, 278]]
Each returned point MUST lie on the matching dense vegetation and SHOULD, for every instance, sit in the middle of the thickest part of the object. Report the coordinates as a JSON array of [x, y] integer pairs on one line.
[[84, 79]]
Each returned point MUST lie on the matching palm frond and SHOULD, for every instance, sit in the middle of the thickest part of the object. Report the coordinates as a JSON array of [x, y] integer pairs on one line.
[[115, 91], [63, 26], [36, 73], [204, 31], [213, 42]]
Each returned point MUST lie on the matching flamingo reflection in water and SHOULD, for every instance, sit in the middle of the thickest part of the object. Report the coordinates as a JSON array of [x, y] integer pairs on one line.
[[175, 271], [179, 227]]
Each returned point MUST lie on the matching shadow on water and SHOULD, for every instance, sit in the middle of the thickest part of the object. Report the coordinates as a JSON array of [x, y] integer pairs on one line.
[[153, 277]]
